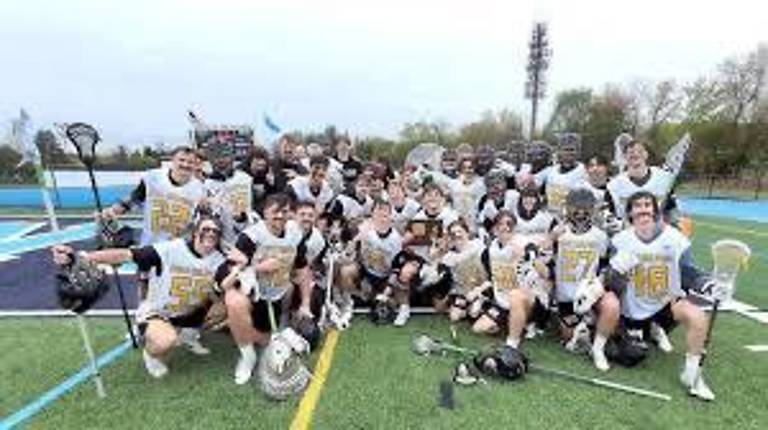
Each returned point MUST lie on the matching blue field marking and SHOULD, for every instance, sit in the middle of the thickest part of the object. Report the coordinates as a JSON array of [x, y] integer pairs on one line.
[[32, 408], [741, 210], [45, 240], [16, 229], [64, 197]]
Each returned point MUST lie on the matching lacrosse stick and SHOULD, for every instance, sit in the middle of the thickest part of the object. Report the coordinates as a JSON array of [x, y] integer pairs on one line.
[[730, 257], [84, 137], [426, 345], [330, 314]]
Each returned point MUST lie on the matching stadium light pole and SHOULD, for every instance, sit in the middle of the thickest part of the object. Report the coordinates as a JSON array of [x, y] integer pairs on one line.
[[539, 54]]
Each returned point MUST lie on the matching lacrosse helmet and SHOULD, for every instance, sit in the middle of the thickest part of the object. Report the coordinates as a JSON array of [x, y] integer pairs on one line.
[[580, 209], [383, 312], [307, 328], [625, 349], [503, 361]]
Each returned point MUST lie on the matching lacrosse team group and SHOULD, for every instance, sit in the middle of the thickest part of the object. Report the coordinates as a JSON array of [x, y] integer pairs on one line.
[[289, 243]]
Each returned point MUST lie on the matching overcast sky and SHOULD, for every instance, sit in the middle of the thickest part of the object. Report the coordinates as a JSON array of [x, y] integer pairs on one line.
[[132, 68]]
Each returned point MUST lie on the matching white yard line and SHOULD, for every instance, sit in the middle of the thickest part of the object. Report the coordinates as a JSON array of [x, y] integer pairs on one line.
[[757, 348], [23, 232]]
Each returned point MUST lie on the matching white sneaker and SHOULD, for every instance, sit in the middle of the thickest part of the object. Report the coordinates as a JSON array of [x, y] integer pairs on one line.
[[190, 338], [245, 365], [660, 337], [403, 314], [696, 386], [154, 366], [598, 358]]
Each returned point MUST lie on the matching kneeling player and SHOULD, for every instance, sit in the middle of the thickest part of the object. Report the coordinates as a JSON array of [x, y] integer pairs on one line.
[[180, 285], [581, 250], [651, 272], [276, 251]]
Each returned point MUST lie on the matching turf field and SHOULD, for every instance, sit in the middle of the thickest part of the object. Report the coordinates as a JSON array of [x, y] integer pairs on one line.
[[375, 382]]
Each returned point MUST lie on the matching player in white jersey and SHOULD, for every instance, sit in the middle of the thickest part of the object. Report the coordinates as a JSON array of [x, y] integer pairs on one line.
[[314, 241], [404, 208], [465, 265], [497, 198], [434, 211], [651, 271], [169, 197], [566, 175], [581, 256], [465, 191], [181, 286], [534, 223], [500, 260], [276, 252], [229, 191], [314, 187], [640, 177], [349, 210]]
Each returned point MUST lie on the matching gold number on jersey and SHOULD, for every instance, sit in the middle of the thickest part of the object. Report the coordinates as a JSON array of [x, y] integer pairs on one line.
[[576, 264], [169, 215], [651, 280], [188, 290]]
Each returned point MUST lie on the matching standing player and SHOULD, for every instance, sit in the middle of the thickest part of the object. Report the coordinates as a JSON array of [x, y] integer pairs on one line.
[[181, 283], [651, 271], [640, 177], [313, 188], [229, 191], [169, 197], [566, 175]]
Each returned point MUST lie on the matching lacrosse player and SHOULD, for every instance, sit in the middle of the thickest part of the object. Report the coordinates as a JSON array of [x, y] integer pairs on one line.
[[275, 251], [344, 162], [533, 222], [565, 175], [404, 208], [258, 166], [497, 198], [229, 191], [651, 271], [169, 197], [500, 259], [315, 187], [464, 191], [464, 261], [434, 209], [181, 283], [640, 177], [580, 257]]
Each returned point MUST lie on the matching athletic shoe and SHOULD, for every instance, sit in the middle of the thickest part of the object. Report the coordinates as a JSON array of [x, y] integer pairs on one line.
[[190, 338], [154, 366], [696, 386], [598, 358], [245, 364], [403, 314], [660, 337]]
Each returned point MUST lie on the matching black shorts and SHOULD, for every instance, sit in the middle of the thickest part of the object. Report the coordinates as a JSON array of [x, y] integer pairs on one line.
[[496, 313], [194, 319], [260, 314], [539, 314], [663, 318]]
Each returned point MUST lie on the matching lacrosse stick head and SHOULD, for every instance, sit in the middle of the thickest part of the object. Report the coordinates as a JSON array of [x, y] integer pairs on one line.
[[282, 373], [730, 257], [425, 345], [85, 138]]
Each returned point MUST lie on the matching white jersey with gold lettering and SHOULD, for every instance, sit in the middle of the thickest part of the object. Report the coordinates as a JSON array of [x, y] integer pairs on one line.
[[559, 184], [578, 257], [168, 209], [621, 187], [656, 280], [184, 283]]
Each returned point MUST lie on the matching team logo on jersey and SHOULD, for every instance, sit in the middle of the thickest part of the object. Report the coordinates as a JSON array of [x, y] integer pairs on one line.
[[170, 214]]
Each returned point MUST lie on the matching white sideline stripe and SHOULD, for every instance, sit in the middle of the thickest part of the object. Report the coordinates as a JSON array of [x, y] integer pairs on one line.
[[7, 257], [23, 232], [118, 313], [63, 313], [741, 308], [757, 348]]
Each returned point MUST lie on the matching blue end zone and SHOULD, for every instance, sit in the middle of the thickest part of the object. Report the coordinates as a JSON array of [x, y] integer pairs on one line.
[[745, 211], [69, 197]]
